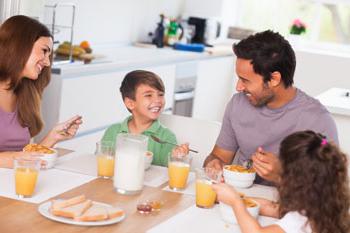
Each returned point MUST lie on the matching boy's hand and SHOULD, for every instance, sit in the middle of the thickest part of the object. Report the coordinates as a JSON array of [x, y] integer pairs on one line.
[[267, 165], [181, 150]]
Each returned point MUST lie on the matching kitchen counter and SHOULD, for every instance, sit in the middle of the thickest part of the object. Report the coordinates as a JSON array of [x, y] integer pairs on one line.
[[336, 100], [122, 57]]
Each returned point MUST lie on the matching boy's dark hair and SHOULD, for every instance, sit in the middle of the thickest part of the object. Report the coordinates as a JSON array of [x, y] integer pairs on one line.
[[137, 77], [268, 52], [314, 182]]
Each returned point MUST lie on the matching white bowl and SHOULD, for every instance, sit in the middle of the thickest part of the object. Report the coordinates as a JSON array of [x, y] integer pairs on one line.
[[228, 215], [50, 159], [148, 159], [238, 179]]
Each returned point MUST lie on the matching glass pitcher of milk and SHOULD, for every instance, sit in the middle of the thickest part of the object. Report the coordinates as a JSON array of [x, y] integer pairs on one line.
[[129, 168]]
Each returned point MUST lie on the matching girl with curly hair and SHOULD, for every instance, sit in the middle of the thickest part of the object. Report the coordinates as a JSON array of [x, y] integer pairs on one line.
[[313, 190]]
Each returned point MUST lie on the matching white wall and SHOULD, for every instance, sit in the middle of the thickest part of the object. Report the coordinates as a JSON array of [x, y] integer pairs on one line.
[[114, 21], [317, 72]]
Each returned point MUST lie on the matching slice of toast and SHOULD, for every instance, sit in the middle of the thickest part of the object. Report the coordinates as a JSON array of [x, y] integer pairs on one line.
[[114, 212], [59, 204], [96, 212], [72, 211]]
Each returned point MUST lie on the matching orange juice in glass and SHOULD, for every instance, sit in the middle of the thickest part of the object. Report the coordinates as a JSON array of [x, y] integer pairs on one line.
[[205, 195], [105, 159], [26, 176], [178, 171], [105, 166]]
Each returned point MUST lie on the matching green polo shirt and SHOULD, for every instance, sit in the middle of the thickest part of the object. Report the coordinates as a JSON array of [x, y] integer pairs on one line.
[[160, 151]]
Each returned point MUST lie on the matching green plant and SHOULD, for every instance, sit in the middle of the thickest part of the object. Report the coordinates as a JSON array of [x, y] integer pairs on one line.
[[298, 27]]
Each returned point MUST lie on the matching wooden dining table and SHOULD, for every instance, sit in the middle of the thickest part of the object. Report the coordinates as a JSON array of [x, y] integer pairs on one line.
[[19, 216]]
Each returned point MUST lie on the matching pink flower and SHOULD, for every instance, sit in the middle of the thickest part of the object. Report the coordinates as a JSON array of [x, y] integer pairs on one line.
[[298, 23]]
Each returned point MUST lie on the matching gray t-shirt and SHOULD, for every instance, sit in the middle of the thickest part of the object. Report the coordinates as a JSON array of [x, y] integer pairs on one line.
[[246, 127]]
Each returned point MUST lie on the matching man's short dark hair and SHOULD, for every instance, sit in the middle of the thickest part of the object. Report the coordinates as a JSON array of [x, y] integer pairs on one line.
[[135, 78], [268, 52]]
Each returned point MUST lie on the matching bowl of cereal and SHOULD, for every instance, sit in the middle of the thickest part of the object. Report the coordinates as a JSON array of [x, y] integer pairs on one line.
[[239, 176], [228, 215], [48, 155]]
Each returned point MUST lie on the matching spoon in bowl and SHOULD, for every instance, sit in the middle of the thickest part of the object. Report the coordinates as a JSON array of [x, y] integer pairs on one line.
[[248, 164]]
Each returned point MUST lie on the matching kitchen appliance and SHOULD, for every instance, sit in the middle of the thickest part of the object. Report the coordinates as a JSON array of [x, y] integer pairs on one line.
[[207, 30], [158, 38], [185, 84]]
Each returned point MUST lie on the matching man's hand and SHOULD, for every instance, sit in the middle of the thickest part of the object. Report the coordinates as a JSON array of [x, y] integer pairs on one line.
[[267, 165], [218, 158], [215, 163]]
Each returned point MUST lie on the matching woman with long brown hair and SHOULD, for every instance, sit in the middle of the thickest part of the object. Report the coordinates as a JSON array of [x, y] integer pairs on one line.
[[25, 70], [314, 195]]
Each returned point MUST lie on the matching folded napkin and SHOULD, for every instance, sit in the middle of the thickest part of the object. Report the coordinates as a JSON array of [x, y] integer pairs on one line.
[[198, 220], [50, 183]]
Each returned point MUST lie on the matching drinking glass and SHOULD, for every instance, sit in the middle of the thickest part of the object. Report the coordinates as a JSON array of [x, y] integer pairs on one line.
[[178, 170], [105, 153], [205, 195], [26, 175]]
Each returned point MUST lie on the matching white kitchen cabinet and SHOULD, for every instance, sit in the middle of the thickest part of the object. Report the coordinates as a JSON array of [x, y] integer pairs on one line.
[[214, 88]]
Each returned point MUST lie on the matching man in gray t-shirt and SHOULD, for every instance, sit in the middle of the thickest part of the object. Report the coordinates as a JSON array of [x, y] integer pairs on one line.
[[267, 107]]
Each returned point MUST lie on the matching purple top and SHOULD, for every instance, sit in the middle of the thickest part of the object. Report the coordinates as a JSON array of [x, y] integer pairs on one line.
[[13, 137], [245, 127]]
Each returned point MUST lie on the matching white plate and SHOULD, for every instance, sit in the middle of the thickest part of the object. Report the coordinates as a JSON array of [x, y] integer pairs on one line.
[[44, 209]]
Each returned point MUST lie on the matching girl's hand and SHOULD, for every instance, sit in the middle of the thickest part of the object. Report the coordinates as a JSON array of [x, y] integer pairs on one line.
[[226, 193], [62, 131], [181, 150]]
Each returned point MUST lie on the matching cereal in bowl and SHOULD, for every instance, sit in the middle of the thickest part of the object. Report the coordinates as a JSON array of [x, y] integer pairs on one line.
[[38, 148]]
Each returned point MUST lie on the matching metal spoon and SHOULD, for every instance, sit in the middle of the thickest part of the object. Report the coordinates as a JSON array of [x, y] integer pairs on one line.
[[165, 142], [248, 164], [64, 132]]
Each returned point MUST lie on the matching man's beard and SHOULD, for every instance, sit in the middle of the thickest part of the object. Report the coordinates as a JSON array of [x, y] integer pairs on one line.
[[266, 97]]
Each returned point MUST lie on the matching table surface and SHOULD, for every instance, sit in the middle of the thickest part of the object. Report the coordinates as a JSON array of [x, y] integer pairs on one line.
[[18, 216]]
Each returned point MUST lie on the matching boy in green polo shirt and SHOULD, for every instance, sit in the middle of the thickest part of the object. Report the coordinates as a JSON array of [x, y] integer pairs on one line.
[[143, 95]]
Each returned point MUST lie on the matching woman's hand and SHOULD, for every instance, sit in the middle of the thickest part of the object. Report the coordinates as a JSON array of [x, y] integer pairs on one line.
[[181, 150], [226, 193], [62, 131]]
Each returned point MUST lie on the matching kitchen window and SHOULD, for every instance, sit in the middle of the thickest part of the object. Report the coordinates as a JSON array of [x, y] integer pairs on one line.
[[326, 20]]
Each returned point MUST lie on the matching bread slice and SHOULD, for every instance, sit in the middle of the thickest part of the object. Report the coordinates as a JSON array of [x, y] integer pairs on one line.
[[114, 212], [72, 211], [96, 212], [59, 204]]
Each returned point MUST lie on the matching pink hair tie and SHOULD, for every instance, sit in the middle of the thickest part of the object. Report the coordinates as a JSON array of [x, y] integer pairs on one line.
[[324, 142]]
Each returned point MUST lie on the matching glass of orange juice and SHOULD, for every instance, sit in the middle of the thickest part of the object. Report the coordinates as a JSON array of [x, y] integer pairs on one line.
[[26, 175], [178, 171], [105, 152], [205, 195]]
